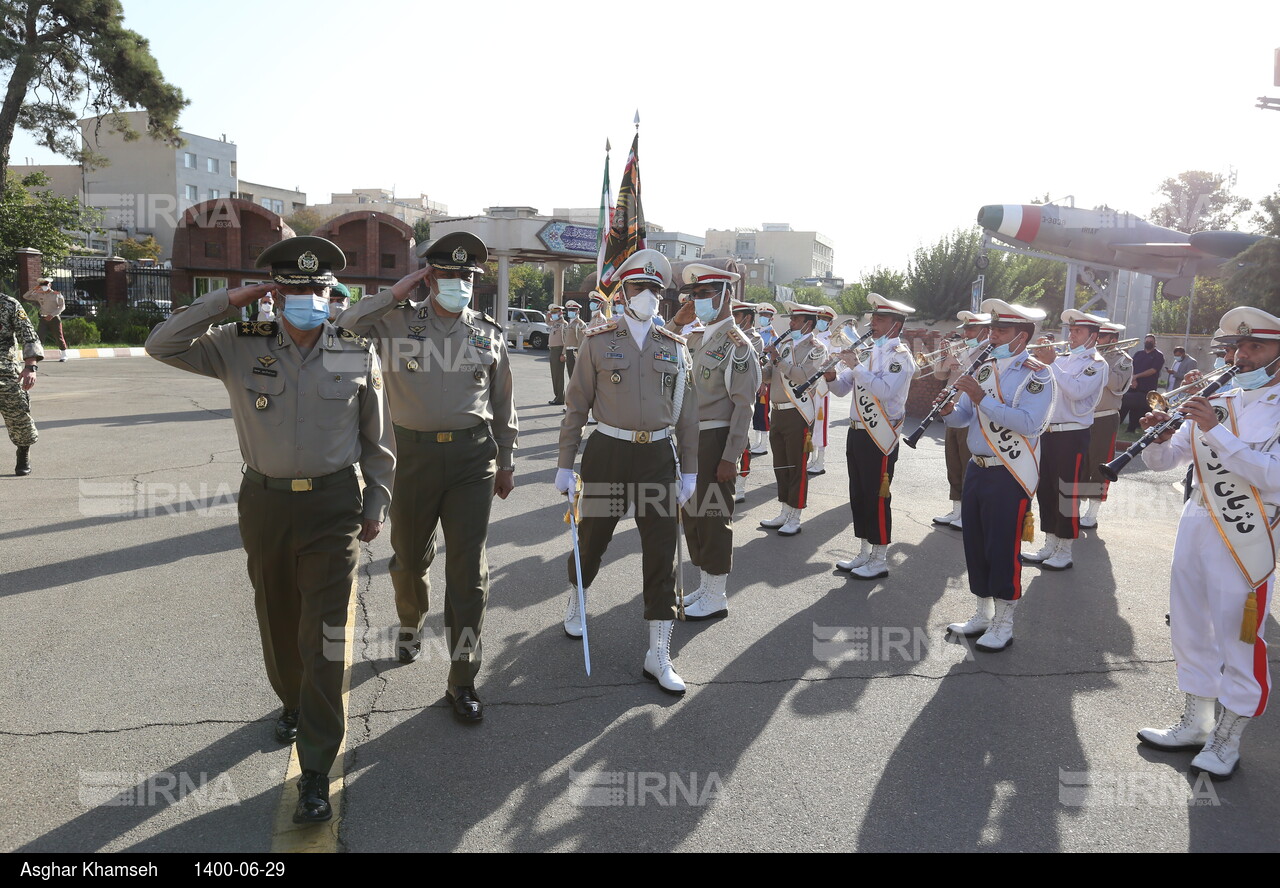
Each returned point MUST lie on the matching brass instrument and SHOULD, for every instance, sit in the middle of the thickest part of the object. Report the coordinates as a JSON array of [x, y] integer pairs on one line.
[[951, 349], [1122, 345], [1167, 402], [1062, 349]]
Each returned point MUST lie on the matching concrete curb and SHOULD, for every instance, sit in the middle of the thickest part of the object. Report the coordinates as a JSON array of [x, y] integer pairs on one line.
[[73, 354]]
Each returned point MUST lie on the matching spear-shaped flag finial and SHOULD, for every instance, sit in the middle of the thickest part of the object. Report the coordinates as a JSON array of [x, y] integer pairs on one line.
[[607, 146], [637, 119]]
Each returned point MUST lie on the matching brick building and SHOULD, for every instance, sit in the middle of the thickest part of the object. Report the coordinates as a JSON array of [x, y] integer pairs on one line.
[[218, 241], [378, 247]]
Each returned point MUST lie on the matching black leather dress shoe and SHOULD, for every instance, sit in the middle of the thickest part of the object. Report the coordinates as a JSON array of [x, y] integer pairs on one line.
[[287, 726], [313, 798], [408, 647], [466, 705], [554, 403]]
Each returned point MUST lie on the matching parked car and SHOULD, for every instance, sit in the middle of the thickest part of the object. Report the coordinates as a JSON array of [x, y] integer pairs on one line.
[[526, 325], [81, 305], [161, 308]]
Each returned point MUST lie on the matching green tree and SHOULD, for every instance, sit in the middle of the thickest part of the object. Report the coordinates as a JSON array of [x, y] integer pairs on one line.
[[939, 278], [1207, 305], [33, 216], [422, 230], [888, 283], [853, 300], [575, 277], [1256, 279], [66, 57], [307, 220], [530, 286], [758, 293], [134, 249], [1267, 219], [1198, 201]]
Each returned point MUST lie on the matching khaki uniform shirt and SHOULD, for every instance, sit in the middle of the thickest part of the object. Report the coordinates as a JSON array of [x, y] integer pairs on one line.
[[1121, 374], [15, 329], [631, 385], [797, 363], [51, 302], [573, 333], [726, 372], [443, 374], [557, 333], [296, 416]]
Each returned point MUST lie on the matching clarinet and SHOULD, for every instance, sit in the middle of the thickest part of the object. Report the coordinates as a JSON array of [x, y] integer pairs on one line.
[[950, 392], [809, 383], [1111, 471]]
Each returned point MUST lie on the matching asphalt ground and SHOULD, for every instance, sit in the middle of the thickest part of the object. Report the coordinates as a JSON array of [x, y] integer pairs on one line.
[[824, 713]]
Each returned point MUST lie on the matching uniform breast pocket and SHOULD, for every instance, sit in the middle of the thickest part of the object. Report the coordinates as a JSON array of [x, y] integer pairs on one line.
[[667, 369], [339, 407], [266, 396], [613, 370]]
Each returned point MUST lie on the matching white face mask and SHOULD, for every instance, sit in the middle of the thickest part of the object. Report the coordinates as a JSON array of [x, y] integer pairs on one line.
[[644, 306], [453, 294], [337, 308]]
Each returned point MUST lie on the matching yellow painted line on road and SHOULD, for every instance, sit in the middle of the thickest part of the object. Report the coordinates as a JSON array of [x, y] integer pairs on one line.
[[288, 837]]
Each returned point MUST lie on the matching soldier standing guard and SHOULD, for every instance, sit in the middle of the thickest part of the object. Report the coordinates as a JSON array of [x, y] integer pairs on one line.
[[793, 360], [307, 403], [635, 377], [880, 384], [574, 327], [555, 347], [1081, 376], [450, 389], [1106, 421], [726, 373], [15, 382], [759, 445], [744, 315]]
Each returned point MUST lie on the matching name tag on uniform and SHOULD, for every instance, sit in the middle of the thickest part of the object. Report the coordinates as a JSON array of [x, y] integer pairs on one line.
[[618, 355], [263, 371]]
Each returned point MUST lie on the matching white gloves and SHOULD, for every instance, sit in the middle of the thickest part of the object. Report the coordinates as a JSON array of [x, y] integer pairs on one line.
[[564, 480], [687, 485]]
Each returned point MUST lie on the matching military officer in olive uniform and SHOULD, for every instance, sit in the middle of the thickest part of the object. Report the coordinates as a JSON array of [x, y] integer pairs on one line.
[[555, 346], [449, 384], [17, 379], [635, 376], [726, 373], [307, 403], [744, 315], [574, 327]]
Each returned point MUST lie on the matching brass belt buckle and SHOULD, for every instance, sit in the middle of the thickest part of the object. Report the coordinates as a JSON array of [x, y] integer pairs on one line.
[[641, 437], [444, 437], [300, 485]]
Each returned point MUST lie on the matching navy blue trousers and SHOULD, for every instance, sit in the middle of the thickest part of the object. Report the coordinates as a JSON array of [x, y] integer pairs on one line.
[[992, 508]]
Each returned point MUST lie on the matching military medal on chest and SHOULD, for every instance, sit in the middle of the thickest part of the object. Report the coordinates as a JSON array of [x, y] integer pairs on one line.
[[261, 403]]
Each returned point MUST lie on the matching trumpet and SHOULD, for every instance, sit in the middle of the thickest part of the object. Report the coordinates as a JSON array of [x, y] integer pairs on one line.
[[1166, 402], [1122, 345], [1062, 349], [925, 361]]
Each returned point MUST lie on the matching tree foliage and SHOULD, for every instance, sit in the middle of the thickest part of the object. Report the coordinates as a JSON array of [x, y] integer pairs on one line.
[[422, 230], [306, 220], [1207, 305], [34, 216], [1197, 201], [530, 286], [758, 293], [66, 57], [1256, 278], [1267, 219], [131, 249]]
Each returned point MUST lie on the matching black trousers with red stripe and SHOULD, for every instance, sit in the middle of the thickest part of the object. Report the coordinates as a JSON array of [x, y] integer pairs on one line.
[[993, 506], [872, 515], [1062, 472]]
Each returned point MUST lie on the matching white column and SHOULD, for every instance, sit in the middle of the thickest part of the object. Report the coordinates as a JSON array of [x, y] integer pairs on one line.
[[557, 282], [504, 291]]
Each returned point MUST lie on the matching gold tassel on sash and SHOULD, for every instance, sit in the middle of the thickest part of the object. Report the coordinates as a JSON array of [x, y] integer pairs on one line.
[[884, 486], [808, 441], [1249, 625], [1029, 527]]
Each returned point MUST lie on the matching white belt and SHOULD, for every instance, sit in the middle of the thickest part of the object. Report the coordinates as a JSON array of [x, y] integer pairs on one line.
[[1106, 413], [705, 424], [641, 437], [782, 405], [985, 462], [1066, 426]]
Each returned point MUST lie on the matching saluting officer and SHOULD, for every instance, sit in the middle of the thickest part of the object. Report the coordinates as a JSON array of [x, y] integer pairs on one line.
[[450, 389], [726, 373], [744, 315], [794, 359], [1005, 408], [1081, 376], [574, 327], [307, 402], [973, 329], [1106, 421], [635, 376]]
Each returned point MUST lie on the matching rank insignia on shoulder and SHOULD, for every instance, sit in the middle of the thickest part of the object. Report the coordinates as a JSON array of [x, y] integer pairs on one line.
[[485, 315], [603, 328], [895, 367], [255, 328], [1035, 387]]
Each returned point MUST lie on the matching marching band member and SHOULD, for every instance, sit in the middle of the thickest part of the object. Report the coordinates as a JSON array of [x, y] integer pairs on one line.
[[794, 359], [822, 333], [1005, 408], [635, 377], [1106, 422], [1223, 555], [760, 422], [1080, 377], [974, 328], [726, 373], [744, 315], [880, 384]]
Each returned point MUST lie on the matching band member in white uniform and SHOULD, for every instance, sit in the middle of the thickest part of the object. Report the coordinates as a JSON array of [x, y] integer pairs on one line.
[[1106, 421], [822, 333], [974, 328]]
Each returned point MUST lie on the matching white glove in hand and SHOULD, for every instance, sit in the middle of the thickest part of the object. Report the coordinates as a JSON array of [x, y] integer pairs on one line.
[[687, 485], [564, 480]]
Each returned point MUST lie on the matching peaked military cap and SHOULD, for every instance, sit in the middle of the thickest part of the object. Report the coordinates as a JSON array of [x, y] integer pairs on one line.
[[303, 261], [457, 251]]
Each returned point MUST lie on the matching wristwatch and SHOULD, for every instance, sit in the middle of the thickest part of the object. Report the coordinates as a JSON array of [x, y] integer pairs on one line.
[[506, 468], [32, 367]]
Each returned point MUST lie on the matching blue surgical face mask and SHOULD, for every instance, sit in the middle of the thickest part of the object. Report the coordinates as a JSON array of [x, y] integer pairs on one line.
[[1219, 362], [454, 294], [1254, 379], [971, 343], [306, 312], [1078, 349], [763, 321], [705, 309], [572, 315], [823, 325], [796, 335], [879, 341]]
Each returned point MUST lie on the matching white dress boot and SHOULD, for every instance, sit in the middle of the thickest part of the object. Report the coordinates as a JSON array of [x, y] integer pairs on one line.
[[1061, 559], [713, 603], [1221, 754], [573, 614], [876, 566], [999, 634], [657, 660], [1192, 732], [792, 527], [697, 593], [1090, 516], [979, 622], [1050, 546], [759, 443], [740, 490], [817, 465], [862, 558], [783, 517], [953, 515]]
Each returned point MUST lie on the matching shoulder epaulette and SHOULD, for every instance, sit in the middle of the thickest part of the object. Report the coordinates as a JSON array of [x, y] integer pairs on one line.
[[667, 333], [347, 336], [255, 328], [738, 337], [603, 328]]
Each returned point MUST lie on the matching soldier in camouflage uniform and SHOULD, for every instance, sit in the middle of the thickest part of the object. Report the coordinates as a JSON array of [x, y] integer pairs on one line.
[[17, 378]]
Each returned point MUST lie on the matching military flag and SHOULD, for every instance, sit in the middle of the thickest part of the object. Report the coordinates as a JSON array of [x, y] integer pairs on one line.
[[626, 233]]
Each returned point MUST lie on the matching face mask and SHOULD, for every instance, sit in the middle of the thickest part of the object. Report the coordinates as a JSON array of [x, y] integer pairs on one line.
[[879, 341], [454, 294], [573, 315], [306, 312], [337, 308], [705, 309], [45, 288], [1149, 346], [971, 343], [1000, 352], [1219, 362], [763, 321], [1078, 349], [823, 325], [556, 316], [797, 335], [644, 306], [1254, 378]]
